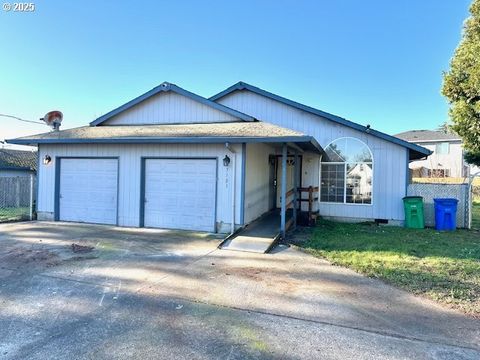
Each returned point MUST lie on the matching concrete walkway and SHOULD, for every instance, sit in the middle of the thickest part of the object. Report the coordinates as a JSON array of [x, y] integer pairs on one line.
[[148, 294]]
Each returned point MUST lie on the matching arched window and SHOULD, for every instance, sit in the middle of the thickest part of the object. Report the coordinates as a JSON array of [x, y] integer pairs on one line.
[[347, 172]]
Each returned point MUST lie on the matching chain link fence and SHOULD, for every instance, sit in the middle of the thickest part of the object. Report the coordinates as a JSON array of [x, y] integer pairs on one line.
[[429, 191], [17, 198]]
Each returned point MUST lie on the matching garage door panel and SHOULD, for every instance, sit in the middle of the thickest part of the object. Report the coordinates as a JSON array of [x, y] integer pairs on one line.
[[88, 190], [180, 193]]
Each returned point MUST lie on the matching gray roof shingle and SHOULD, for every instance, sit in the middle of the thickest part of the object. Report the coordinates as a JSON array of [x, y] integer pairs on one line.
[[234, 132], [237, 129], [18, 159], [427, 135]]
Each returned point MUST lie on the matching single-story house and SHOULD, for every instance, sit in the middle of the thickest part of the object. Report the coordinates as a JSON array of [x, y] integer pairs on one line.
[[173, 159], [14, 163]]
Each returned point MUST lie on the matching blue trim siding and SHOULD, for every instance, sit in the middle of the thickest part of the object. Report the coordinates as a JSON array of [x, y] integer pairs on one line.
[[56, 208], [417, 151], [216, 194], [166, 87], [305, 142], [37, 182], [118, 189], [242, 184], [283, 210], [407, 175], [141, 216]]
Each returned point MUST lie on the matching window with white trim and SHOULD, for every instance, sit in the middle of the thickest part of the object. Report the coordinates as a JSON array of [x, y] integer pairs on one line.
[[347, 172], [442, 148]]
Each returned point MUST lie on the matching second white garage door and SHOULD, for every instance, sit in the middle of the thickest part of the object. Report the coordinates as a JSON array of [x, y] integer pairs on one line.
[[180, 193], [88, 190]]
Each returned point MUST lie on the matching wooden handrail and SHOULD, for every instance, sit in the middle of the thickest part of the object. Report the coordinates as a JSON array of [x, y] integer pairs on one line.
[[312, 197], [289, 193], [306, 189], [289, 223]]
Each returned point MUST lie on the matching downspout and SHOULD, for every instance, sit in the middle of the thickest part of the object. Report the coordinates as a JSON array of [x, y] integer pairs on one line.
[[234, 162]]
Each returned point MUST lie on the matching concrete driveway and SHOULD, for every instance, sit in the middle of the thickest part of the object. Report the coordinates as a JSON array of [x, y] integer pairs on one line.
[[152, 294]]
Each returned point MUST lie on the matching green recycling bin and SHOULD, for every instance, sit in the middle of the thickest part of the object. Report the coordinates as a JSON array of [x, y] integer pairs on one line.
[[413, 206]]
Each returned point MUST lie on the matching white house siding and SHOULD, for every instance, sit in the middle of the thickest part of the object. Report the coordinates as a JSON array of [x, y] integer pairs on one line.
[[170, 108], [257, 180], [129, 175], [389, 181], [453, 161]]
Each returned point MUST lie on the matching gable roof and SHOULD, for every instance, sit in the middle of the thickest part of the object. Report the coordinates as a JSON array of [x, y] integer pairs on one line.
[[415, 150], [166, 87], [18, 160], [214, 133], [427, 136]]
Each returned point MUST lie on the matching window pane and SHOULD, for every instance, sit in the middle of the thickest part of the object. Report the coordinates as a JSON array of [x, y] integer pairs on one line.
[[333, 182], [335, 152], [347, 150], [356, 159], [359, 183], [442, 148]]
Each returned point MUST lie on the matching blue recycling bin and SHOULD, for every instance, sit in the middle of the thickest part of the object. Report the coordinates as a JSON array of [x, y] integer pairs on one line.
[[445, 214]]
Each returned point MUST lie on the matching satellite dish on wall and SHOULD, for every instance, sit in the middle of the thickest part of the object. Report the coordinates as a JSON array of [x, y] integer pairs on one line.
[[53, 119]]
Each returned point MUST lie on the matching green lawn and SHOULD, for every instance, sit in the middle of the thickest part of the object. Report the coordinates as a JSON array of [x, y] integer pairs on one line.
[[13, 214], [444, 266], [476, 215]]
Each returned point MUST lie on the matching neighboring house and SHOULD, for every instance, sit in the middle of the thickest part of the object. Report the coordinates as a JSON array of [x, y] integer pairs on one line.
[[359, 183], [15, 163], [447, 158], [17, 177], [174, 159]]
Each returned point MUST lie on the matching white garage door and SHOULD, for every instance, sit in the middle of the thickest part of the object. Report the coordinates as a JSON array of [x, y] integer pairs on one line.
[[88, 190], [180, 194]]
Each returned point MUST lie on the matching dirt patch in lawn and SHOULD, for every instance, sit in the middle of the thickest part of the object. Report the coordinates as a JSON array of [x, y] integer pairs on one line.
[[76, 248], [20, 256], [266, 277], [255, 274]]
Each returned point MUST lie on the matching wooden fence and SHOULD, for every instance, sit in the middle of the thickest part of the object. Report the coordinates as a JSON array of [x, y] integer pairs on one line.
[[17, 196]]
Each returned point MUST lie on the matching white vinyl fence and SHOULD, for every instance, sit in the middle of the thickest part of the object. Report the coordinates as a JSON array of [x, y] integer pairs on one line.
[[17, 196], [429, 191]]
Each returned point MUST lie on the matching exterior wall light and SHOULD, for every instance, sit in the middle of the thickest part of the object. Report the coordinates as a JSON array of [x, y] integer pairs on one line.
[[47, 160], [226, 160]]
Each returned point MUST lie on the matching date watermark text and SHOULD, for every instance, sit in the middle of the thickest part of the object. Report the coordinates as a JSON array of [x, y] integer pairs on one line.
[[18, 7]]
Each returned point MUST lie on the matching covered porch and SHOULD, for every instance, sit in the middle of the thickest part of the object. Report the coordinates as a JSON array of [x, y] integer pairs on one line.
[[280, 191]]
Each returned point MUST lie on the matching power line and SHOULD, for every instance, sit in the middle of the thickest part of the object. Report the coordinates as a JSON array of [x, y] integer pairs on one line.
[[20, 119]]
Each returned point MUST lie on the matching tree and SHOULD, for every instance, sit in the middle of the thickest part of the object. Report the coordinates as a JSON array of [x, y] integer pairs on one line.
[[445, 127], [461, 86]]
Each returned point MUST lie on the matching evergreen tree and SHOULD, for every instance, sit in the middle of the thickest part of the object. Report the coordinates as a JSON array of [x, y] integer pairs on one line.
[[461, 86]]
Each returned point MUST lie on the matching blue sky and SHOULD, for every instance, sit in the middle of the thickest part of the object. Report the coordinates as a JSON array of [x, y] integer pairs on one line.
[[373, 62]]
